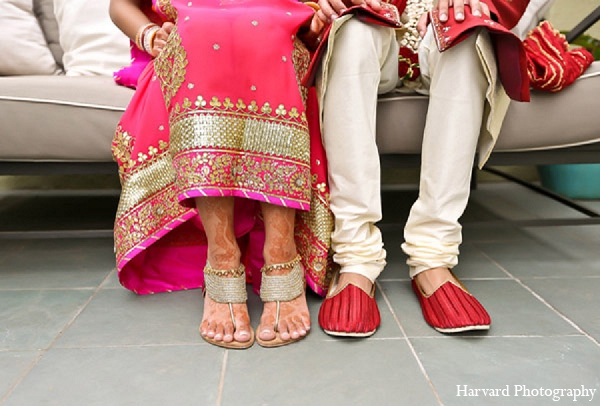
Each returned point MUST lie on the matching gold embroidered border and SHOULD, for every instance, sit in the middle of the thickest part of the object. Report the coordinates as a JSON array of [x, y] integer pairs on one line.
[[229, 131], [170, 66], [269, 176], [165, 7], [285, 116], [319, 219], [145, 220], [121, 147], [144, 182], [301, 61]]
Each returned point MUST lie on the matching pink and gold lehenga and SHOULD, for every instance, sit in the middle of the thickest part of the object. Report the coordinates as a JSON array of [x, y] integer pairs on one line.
[[220, 113]]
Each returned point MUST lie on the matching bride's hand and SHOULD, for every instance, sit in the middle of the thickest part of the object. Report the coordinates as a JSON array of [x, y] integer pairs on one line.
[[160, 39]]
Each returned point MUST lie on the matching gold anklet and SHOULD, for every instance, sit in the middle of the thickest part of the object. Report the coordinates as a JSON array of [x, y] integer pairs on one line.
[[285, 265], [234, 273]]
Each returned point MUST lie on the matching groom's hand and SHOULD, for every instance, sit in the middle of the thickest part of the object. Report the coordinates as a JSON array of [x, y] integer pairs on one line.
[[331, 9]]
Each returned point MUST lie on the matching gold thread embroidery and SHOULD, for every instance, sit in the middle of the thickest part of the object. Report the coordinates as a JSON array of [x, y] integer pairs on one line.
[[230, 131], [170, 66], [145, 181], [301, 61], [217, 106], [224, 170], [166, 8], [146, 219]]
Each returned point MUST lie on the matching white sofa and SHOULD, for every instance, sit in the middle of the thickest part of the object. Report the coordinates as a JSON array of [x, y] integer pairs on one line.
[[57, 123]]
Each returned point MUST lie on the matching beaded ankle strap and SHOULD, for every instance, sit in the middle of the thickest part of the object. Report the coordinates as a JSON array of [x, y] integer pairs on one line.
[[282, 288], [226, 286]]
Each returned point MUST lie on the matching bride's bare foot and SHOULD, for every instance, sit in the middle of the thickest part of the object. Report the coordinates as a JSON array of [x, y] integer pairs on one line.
[[225, 319], [294, 317], [433, 278], [285, 317], [217, 323]]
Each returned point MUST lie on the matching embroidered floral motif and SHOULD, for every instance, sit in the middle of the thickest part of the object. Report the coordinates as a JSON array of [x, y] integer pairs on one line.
[[121, 146], [301, 61], [219, 169], [216, 105], [146, 219], [166, 8], [170, 66]]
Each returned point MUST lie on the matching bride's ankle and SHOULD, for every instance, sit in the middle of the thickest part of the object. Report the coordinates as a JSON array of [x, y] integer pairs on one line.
[[280, 267], [224, 259]]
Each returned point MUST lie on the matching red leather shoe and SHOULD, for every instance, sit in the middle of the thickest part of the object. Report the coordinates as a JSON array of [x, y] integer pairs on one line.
[[349, 312], [452, 309]]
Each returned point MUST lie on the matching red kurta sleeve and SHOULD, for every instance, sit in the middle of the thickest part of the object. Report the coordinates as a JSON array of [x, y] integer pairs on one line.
[[510, 54]]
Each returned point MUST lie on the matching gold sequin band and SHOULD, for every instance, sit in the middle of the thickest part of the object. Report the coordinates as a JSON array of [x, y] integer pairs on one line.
[[282, 288], [228, 286]]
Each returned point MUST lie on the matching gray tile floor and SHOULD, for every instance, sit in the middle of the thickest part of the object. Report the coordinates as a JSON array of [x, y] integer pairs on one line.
[[70, 335]]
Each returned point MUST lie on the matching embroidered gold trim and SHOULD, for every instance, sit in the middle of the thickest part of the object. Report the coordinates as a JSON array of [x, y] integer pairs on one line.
[[165, 7], [170, 66], [301, 61], [146, 219], [245, 172], [243, 109], [226, 131], [319, 220], [145, 181]]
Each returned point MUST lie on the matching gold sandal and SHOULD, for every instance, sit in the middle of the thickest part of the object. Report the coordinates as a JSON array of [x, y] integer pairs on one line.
[[281, 288], [229, 287]]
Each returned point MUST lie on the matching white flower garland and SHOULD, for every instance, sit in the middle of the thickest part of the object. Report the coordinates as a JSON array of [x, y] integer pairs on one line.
[[413, 11]]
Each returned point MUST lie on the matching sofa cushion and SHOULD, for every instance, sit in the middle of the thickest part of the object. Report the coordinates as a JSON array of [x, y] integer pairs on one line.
[[44, 12], [550, 120], [23, 49], [92, 44], [59, 118]]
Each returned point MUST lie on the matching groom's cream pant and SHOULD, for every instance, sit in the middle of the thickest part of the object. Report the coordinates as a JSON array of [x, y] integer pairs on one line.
[[362, 64]]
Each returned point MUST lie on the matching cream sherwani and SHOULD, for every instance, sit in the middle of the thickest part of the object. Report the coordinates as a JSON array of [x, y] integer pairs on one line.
[[466, 109]]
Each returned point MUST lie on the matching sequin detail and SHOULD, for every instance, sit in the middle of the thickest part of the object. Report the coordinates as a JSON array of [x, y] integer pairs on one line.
[[170, 66]]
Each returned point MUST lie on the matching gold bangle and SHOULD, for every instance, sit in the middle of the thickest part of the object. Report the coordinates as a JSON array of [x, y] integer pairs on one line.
[[313, 5], [139, 36]]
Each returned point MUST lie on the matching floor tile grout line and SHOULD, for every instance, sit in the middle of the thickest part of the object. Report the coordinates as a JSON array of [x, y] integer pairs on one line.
[[485, 336], [222, 379], [544, 301], [325, 339], [121, 346], [12, 388], [462, 279], [580, 238], [507, 278], [410, 345], [45, 350]]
